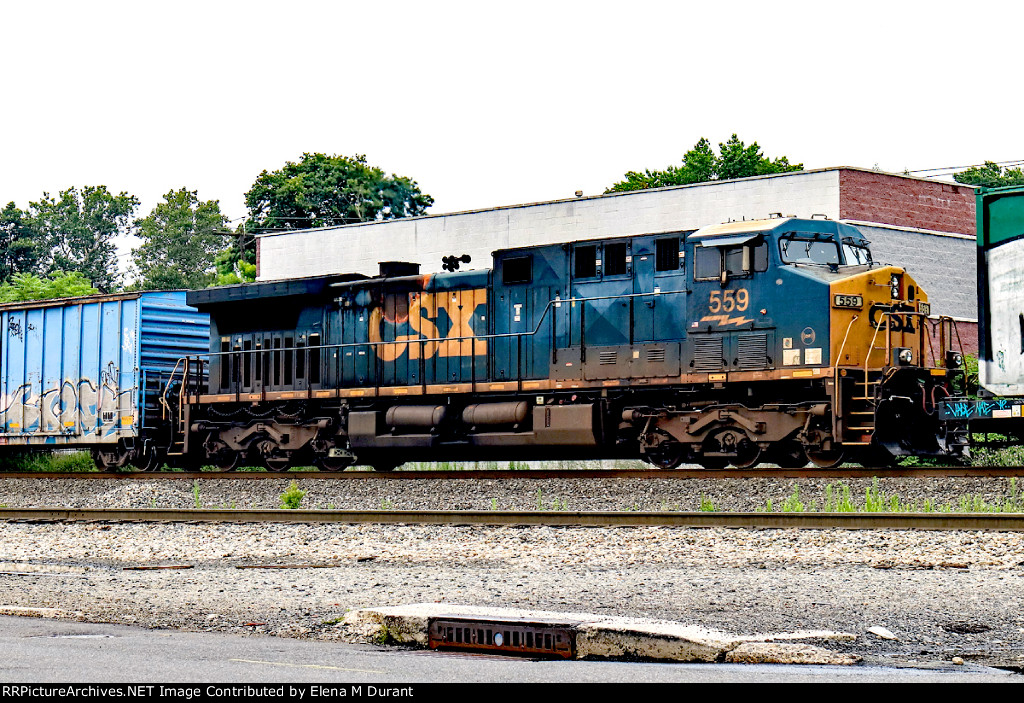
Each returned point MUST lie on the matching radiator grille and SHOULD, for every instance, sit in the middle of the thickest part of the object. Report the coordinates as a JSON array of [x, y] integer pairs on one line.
[[752, 352], [707, 353]]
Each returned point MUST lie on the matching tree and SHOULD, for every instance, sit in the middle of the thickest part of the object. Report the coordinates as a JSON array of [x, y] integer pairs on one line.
[[59, 284], [181, 240], [237, 263], [77, 232], [18, 250], [700, 164], [990, 175], [321, 190]]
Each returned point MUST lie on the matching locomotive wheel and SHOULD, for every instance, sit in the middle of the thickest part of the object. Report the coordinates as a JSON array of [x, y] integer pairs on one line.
[[149, 461], [226, 460], [826, 459], [748, 455], [277, 461], [788, 455], [740, 451], [667, 455], [333, 463]]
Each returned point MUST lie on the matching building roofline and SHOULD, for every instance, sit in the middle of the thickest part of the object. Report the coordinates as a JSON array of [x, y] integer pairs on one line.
[[539, 203]]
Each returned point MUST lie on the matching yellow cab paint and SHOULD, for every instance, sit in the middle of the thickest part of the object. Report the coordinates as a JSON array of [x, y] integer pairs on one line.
[[860, 331]]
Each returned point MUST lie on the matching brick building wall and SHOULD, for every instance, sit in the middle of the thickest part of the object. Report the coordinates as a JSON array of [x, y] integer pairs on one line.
[[873, 196]]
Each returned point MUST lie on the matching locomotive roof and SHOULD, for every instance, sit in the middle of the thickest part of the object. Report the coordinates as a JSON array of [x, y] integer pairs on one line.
[[729, 231], [314, 285], [776, 224]]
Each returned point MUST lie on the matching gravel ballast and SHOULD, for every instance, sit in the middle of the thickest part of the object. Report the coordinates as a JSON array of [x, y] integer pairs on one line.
[[940, 594]]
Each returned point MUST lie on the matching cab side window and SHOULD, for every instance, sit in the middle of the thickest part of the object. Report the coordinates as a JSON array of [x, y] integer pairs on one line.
[[708, 262], [737, 261]]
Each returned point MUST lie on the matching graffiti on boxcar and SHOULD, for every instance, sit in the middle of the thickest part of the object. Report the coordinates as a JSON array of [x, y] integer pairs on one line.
[[74, 406]]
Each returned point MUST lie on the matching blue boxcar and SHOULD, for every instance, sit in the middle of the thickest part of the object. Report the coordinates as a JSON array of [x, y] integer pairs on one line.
[[88, 372]]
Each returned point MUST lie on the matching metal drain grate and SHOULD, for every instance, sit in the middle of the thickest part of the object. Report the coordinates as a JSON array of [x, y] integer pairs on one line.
[[509, 637]]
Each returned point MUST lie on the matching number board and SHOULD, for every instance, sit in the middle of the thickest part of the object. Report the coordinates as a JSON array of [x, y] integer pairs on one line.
[[848, 301]]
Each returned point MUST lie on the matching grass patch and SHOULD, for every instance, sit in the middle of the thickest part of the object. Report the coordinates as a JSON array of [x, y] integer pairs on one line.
[[291, 499], [839, 498], [49, 461]]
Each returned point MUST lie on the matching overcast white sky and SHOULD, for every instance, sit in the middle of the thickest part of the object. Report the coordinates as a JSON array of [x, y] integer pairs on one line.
[[488, 104]]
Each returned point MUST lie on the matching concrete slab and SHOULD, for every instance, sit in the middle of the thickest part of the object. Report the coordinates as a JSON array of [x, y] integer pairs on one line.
[[787, 653], [602, 637]]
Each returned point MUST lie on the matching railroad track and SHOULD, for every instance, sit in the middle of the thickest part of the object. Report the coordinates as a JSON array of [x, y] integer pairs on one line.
[[919, 472], [816, 521]]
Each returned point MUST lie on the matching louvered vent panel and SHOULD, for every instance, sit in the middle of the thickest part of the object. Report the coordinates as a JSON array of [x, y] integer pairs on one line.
[[656, 355], [707, 354], [753, 351], [608, 357]]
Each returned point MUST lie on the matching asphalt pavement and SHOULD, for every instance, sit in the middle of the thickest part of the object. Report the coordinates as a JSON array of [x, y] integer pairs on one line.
[[41, 650]]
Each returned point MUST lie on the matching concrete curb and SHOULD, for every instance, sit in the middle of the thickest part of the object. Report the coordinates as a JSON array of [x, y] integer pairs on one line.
[[601, 637]]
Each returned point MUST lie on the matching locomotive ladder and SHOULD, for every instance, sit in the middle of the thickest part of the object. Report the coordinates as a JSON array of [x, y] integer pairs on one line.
[[857, 391], [176, 412]]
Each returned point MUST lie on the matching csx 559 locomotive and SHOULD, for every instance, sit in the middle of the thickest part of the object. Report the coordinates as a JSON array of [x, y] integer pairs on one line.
[[775, 341]]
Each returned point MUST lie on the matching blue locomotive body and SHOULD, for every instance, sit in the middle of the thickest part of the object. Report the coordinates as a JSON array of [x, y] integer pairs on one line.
[[737, 343]]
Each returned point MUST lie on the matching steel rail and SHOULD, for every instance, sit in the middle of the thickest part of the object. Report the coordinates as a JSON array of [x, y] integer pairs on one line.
[[812, 521], [477, 474]]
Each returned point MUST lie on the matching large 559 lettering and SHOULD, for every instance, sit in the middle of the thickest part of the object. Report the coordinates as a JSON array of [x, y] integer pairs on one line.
[[729, 300]]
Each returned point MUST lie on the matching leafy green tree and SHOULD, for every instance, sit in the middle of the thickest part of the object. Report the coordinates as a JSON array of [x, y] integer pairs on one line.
[[237, 263], [58, 284], [181, 239], [990, 175], [700, 164], [77, 232], [18, 250], [320, 191]]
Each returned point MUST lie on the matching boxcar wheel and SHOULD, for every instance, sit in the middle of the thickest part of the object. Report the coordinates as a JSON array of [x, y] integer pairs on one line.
[[109, 460]]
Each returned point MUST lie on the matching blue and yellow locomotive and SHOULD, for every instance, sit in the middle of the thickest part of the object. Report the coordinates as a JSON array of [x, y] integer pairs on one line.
[[776, 341]]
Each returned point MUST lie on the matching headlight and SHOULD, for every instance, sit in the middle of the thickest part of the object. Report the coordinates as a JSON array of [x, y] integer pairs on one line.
[[906, 356]]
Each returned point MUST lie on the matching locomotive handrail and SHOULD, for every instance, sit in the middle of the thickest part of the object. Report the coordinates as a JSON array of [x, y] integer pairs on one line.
[[887, 316], [167, 387], [423, 341]]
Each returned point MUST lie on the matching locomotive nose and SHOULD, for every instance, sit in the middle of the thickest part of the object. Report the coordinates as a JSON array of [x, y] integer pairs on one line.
[[875, 310]]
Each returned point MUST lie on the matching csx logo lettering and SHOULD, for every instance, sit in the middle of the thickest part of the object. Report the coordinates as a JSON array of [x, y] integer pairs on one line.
[[897, 322], [427, 312]]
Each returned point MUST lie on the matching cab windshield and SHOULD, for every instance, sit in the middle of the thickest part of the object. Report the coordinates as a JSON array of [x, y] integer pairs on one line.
[[821, 249], [856, 254]]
